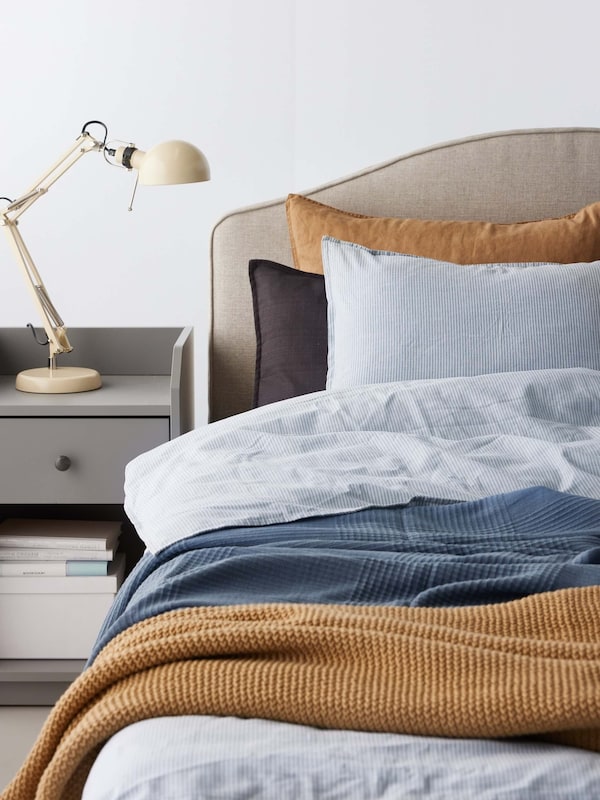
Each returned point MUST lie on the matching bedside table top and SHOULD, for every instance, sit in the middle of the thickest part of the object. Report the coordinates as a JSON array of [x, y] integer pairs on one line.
[[119, 396]]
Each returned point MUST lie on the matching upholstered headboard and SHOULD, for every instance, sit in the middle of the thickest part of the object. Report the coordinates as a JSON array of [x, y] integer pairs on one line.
[[501, 177]]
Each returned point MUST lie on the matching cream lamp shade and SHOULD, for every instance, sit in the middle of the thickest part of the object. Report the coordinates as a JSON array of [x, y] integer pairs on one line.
[[166, 163], [171, 162]]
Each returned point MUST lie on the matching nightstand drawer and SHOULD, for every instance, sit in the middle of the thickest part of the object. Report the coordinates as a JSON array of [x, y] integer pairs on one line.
[[72, 460]]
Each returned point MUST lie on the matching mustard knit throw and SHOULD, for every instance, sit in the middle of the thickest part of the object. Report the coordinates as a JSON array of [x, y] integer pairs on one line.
[[530, 666]]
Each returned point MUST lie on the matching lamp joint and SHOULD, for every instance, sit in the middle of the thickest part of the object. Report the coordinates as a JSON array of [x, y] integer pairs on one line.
[[126, 157]]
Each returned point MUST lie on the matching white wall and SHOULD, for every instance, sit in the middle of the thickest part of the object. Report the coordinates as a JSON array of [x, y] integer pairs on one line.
[[281, 95]]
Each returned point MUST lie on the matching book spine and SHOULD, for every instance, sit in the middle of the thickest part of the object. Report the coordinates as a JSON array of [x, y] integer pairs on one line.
[[50, 554], [59, 569], [57, 542], [75, 584]]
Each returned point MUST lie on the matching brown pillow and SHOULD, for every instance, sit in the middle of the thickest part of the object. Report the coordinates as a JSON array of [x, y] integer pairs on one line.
[[564, 240]]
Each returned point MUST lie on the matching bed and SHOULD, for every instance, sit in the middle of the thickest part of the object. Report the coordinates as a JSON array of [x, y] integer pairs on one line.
[[376, 572]]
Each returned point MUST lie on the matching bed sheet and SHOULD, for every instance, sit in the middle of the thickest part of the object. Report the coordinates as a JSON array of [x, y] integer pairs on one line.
[[227, 757]]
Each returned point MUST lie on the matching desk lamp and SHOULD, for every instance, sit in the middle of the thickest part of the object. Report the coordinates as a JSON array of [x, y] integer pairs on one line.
[[167, 163]]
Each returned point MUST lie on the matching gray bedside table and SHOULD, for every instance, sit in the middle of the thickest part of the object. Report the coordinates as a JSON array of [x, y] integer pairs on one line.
[[145, 400]]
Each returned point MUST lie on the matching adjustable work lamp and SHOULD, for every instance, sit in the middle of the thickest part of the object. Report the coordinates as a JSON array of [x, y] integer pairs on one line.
[[167, 163]]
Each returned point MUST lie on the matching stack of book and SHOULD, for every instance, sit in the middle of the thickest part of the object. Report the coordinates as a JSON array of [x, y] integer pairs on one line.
[[58, 579]]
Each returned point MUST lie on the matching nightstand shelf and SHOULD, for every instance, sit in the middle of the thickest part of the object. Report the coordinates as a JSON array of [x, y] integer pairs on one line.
[[28, 682], [145, 400]]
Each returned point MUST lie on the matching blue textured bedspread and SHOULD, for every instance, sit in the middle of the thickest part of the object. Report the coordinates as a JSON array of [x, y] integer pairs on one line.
[[438, 554]]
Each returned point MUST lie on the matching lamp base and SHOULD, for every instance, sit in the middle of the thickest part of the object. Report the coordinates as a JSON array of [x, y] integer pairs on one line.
[[60, 380]]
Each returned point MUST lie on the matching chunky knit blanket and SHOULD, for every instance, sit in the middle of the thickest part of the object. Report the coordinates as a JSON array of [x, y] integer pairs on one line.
[[526, 667]]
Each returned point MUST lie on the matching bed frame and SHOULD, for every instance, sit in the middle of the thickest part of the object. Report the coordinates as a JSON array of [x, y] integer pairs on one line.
[[502, 177]]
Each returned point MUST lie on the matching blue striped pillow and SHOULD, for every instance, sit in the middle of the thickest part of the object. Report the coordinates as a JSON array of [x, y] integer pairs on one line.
[[393, 316]]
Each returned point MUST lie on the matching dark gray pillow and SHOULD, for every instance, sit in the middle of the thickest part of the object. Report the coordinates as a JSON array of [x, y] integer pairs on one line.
[[290, 317]]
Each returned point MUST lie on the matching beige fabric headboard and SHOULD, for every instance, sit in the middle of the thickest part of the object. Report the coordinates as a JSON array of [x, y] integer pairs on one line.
[[502, 177]]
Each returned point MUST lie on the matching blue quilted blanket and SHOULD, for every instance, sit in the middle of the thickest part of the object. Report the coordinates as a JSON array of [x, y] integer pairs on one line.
[[425, 554]]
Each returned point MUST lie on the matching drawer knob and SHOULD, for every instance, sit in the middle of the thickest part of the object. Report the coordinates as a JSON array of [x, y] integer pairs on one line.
[[62, 463]]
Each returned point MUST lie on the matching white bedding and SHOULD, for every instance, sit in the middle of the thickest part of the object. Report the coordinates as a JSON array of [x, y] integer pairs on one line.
[[179, 758], [334, 452]]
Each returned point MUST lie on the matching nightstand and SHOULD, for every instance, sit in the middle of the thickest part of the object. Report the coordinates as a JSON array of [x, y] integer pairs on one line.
[[64, 456]]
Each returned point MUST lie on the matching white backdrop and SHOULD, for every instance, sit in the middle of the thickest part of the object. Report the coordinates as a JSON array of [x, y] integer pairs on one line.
[[281, 95]]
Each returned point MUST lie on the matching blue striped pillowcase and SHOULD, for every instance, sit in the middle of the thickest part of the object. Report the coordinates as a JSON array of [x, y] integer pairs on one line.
[[393, 316]]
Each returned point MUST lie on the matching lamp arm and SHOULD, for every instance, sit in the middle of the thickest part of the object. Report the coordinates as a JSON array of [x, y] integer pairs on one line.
[[56, 333]]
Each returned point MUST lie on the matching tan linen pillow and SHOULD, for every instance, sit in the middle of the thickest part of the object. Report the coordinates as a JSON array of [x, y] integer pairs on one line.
[[565, 240]]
